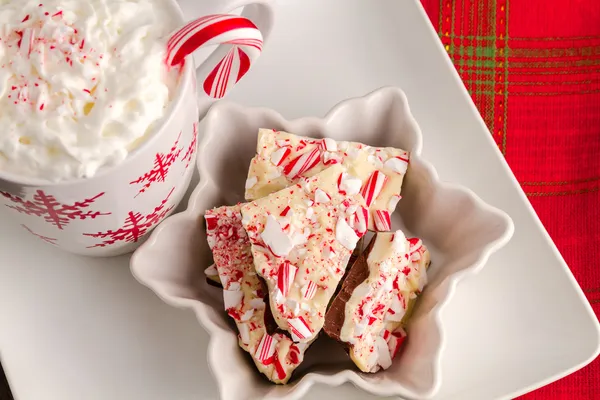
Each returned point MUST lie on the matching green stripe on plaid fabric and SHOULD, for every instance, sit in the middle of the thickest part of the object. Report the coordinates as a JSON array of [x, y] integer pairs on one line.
[[555, 38], [562, 183], [504, 7], [563, 193], [528, 39], [486, 56], [541, 94], [551, 52], [478, 46]]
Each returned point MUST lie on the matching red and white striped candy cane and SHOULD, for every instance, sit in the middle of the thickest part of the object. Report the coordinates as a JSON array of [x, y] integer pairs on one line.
[[246, 45]]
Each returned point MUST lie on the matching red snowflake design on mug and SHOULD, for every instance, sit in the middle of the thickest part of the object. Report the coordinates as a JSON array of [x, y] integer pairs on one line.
[[191, 150], [160, 169], [135, 226], [55, 213], [46, 239]]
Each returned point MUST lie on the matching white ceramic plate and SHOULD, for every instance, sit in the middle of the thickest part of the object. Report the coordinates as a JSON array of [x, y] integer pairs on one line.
[[72, 328], [459, 229]]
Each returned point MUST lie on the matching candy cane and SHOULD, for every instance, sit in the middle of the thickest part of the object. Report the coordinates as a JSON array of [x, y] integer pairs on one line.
[[240, 32]]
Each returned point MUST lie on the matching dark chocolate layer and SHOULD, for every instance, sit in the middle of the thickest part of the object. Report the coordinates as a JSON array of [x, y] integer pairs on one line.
[[356, 274], [214, 283]]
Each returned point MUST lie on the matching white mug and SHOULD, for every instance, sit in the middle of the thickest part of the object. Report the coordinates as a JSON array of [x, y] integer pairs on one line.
[[112, 212]]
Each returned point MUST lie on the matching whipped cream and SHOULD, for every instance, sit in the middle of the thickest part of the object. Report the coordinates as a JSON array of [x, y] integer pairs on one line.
[[82, 83]]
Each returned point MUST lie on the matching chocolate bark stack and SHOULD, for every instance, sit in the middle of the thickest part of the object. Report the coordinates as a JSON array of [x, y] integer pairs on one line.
[[290, 261]]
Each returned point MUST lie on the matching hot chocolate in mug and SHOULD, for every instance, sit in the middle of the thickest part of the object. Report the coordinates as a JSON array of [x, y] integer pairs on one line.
[[96, 146]]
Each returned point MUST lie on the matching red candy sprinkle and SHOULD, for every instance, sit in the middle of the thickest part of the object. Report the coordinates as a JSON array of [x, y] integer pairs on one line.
[[378, 308], [279, 368], [339, 182], [386, 334], [211, 222], [285, 211]]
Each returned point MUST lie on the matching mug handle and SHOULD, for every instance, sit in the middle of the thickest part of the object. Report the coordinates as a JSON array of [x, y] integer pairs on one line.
[[240, 40]]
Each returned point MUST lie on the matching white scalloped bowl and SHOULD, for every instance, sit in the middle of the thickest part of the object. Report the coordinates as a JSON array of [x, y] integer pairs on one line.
[[459, 228]]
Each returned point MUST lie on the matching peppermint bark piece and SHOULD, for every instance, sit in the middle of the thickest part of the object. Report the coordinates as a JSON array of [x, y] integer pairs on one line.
[[367, 313], [276, 355], [283, 158], [302, 238]]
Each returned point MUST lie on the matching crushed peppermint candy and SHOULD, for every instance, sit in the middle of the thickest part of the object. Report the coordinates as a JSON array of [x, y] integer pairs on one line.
[[232, 298], [250, 182], [321, 196], [329, 144], [361, 220], [383, 221], [275, 238], [285, 277], [211, 271], [397, 164], [309, 290], [331, 158], [244, 333], [348, 184], [299, 329], [301, 164], [266, 349], [393, 202], [373, 187], [384, 358], [279, 156], [395, 341], [345, 234]]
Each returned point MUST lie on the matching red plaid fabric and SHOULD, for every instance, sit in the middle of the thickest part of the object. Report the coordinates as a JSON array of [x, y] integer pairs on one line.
[[533, 69]]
